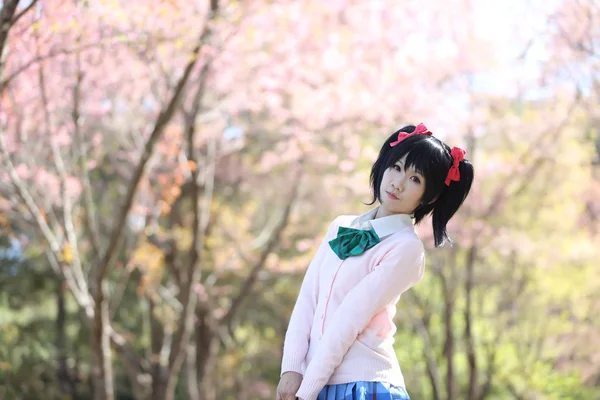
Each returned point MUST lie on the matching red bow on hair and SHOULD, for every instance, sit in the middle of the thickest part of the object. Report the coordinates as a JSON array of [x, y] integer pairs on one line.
[[453, 174], [403, 135]]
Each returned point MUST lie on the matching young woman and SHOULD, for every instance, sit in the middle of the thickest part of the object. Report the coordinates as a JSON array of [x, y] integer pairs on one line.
[[339, 343]]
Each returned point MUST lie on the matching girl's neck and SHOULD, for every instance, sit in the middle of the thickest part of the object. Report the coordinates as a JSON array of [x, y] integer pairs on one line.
[[382, 212]]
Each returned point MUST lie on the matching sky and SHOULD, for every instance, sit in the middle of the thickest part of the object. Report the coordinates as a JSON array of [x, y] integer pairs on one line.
[[505, 24]]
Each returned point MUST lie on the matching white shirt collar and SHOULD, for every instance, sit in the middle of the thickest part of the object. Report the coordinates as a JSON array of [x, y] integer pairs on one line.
[[383, 226]]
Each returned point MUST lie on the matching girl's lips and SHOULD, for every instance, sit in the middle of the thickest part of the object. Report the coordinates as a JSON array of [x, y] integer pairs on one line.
[[391, 196]]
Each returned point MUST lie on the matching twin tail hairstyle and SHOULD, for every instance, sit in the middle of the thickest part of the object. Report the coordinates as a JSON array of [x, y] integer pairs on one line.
[[434, 160]]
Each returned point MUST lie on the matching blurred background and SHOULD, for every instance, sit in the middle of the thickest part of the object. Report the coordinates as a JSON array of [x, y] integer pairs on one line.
[[169, 168]]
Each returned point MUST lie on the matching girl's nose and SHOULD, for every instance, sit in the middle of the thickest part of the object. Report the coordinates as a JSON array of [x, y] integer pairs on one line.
[[398, 183]]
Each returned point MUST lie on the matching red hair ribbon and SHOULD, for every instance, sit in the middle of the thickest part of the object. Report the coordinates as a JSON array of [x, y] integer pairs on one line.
[[453, 174], [420, 129]]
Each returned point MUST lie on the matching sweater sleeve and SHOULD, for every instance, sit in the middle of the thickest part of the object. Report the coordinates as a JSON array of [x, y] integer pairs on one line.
[[400, 269], [295, 345]]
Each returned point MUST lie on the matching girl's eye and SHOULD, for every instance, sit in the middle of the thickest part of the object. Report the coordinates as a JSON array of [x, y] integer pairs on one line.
[[397, 167], [416, 179]]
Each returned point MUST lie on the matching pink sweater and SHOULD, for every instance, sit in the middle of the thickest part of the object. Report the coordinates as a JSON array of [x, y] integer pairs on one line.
[[342, 326]]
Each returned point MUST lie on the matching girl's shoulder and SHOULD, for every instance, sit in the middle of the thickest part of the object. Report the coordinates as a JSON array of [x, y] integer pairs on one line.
[[406, 240], [407, 235]]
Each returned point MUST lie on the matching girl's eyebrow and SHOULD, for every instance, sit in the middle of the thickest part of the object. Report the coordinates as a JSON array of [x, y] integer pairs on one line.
[[416, 172]]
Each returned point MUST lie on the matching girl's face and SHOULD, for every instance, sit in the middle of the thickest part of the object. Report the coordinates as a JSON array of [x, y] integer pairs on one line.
[[401, 190]]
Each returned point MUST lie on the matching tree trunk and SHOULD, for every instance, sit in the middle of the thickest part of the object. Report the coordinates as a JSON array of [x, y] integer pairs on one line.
[[192, 389], [157, 339], [207, 347], [102, 366], [65, 380], [449, 338], [159, 383], [187, 297], [7, 12], [470, 342], [421, 324], [487, 385], [432, 369]]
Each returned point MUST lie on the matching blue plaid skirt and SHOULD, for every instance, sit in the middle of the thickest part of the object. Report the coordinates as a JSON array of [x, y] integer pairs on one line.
[[363, 391]]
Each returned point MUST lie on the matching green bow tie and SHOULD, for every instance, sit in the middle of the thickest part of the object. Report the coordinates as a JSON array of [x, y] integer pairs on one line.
[[353, 242]]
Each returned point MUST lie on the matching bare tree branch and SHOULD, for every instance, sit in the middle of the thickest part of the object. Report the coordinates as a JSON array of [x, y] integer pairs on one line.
[[421, 325], [201, 220], [191, 372], [579, 45], [101, 290], [7, 13], [137, 368], [54, 53], [23, 12], [157, 340], [470, 341], [491, 367], [449, 297], [181, 338], [66, 200], [122, 282], [162, 120], [88, 203], [45, 201], [49, 236], [268, 249]]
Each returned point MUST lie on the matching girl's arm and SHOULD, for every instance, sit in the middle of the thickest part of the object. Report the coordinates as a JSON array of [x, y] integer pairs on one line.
[[399, 270], [297, 337]]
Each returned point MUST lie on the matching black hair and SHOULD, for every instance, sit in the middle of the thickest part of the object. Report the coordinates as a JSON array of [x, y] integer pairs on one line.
[[431, 158]]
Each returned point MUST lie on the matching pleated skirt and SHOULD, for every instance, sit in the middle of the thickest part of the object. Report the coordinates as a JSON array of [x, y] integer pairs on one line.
[[363, 391]]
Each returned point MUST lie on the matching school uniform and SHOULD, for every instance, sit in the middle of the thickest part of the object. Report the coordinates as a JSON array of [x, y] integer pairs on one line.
[[341, 332]]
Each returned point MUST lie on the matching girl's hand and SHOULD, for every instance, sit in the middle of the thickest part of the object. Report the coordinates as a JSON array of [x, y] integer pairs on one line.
[[288, 385]]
